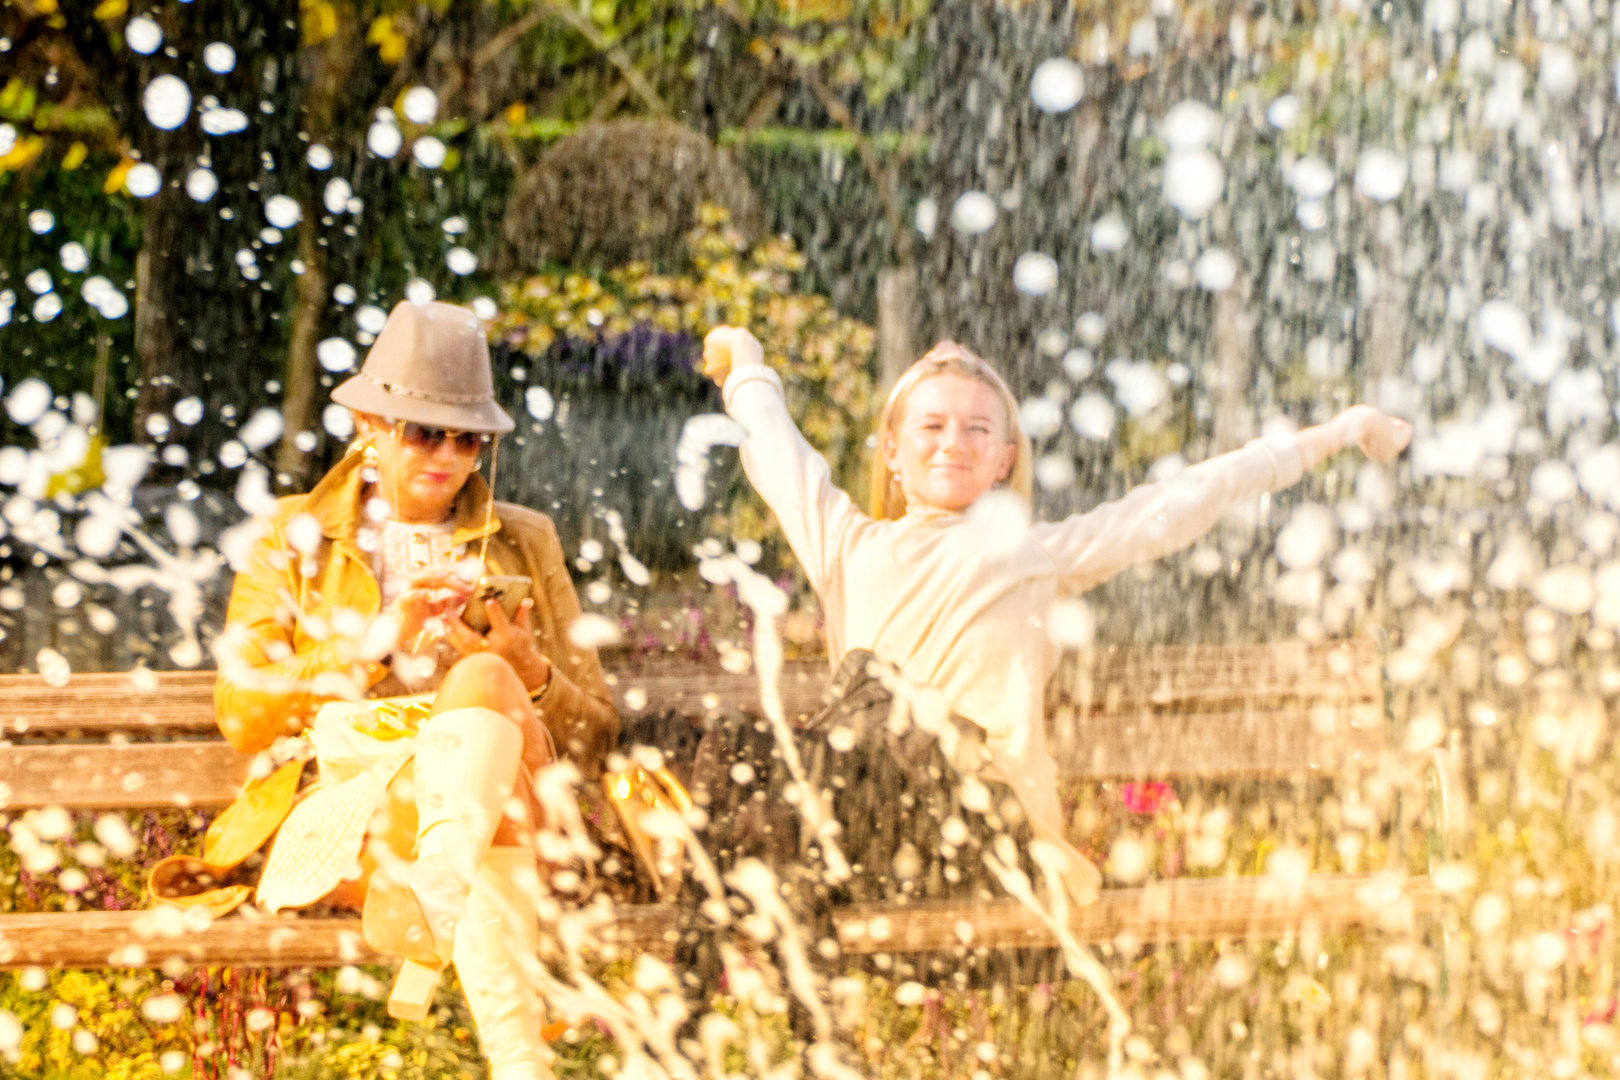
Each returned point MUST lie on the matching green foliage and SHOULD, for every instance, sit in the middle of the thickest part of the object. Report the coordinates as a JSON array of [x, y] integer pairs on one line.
[[824, 358]]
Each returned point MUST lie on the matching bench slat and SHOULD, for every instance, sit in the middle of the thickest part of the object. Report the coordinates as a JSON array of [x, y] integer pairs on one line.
[[112, 776], [1124, 681], [1214, 745], [183, 701], [1179, 677], [1190, 909], [206, 774]]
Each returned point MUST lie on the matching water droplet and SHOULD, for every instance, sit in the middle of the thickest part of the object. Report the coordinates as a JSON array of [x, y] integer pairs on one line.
[[223, 121], [164, 1008], [53, 667], [593, 631], [1191, 125], [370, 318], [384, 138], [1130, 859], [454, 226], [38, 282], [201, 184], [429, 152], [909, 994], [974, 213], [1566, 588], [167, 102], [460, 261], [338, 421], [1307, 538], [283, 211], [485, 309], [1078, 364], [75, 260], [335, 354], [1559, 72], [1035, 274], [41, 222], [1284, 113], [344, 294], [1138, 386], [1109, 233], [1310, 177], [926, 219], [143, 35], [1057, 85], [318, 157], [1215, 270], [47, 307], [189, 410], [1040, 417], [1500, 323], [419, 291], [143, 180], [1193, 181], [1092, 416], [219, 57], [1380, 175]]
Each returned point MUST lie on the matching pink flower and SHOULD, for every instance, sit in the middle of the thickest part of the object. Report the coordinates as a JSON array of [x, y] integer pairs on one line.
[[1146, 798]]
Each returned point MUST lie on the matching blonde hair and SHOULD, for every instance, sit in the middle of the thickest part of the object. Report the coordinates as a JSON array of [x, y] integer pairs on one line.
[[946, 358]]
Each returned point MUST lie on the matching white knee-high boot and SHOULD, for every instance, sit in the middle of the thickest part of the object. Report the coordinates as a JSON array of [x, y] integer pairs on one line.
[[497, 959], [467, 763]]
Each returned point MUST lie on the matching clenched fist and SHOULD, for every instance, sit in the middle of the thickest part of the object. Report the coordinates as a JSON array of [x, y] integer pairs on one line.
[[727, 347]]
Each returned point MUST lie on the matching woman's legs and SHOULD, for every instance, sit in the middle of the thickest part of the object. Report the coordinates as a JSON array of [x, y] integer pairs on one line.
[[475, 853]]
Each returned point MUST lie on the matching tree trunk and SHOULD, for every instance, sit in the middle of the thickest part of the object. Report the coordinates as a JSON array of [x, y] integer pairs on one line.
[[897, 322], [159, 282], [300, 384], [326, 70]]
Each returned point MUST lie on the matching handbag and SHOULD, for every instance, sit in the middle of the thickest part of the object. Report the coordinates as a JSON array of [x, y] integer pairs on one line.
[[636, 792]]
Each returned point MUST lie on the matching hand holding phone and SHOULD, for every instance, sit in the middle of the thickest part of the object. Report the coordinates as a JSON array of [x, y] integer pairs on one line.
[[509, 590]]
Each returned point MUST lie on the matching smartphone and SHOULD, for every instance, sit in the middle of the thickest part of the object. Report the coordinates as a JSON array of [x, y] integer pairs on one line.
[[509, 589]]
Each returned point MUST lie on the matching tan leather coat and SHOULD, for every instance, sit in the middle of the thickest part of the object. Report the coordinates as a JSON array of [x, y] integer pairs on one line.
[[297, 622]]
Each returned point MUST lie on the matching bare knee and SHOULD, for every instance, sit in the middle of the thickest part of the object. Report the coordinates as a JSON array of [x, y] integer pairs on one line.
[[483, 680]]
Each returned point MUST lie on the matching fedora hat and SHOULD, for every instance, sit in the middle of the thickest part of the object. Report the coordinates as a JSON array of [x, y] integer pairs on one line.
[[430, 365]]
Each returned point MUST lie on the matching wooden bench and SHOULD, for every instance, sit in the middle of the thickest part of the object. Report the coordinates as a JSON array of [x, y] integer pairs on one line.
[[122, 741]]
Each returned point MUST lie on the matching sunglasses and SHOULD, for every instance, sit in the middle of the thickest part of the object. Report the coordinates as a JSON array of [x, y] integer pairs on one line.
[[428, 439]]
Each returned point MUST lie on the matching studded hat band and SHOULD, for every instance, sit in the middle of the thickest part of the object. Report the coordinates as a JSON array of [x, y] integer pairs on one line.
[[423, 395]]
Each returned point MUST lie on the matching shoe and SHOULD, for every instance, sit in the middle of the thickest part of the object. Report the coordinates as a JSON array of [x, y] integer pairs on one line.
[[498, 961], [395, 920]]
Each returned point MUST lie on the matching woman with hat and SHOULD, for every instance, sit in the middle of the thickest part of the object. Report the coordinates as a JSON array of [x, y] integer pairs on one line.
[[354, 593]]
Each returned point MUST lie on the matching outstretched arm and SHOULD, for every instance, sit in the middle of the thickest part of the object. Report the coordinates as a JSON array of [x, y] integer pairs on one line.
[[1154, 520], [789, 475]]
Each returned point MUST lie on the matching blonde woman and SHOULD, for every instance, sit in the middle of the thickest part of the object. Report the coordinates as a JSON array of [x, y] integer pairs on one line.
[[915, 583]]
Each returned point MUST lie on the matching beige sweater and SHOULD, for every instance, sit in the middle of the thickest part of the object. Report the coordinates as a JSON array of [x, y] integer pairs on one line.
[[924, 594]]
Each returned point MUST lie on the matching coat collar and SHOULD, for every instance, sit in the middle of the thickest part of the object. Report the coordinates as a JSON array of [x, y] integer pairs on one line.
[[335, 503]]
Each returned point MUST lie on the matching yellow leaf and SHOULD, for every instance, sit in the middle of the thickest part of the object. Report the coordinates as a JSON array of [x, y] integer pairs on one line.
[[85, 475], [115, 179], [388, 39], [75, 156], [107, 9], [318, 21], [27, 149], [516, 113]]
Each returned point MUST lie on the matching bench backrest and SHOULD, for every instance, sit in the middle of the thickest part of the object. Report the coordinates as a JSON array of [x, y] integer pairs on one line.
[[1189, 711]]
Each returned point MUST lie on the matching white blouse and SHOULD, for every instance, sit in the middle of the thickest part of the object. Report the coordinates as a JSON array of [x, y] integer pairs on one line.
[[958, 608]]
